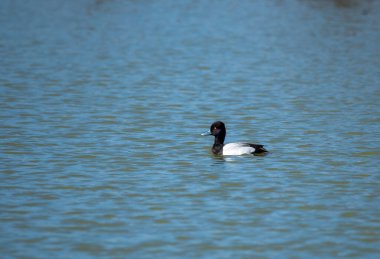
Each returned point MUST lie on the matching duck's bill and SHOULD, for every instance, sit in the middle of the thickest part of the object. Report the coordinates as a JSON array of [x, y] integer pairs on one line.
[[207, 133]]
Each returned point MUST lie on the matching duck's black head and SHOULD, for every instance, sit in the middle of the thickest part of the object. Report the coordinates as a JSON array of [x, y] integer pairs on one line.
[[218, 130]]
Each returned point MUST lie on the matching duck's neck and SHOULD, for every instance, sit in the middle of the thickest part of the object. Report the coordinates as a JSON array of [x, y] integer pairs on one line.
[[219, 139], [217, 148]]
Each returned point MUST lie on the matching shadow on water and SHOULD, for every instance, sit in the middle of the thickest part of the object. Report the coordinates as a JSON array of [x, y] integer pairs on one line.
[[219, 159], [341, 4]]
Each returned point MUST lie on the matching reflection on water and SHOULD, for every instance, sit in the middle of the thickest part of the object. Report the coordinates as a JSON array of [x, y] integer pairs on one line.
[[101, 107]]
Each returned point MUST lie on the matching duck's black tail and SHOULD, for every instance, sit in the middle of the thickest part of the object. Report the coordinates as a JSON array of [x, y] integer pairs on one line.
[[259, 149]]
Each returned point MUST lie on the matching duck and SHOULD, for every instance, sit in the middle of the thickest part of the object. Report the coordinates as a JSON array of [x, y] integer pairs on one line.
[[218, 130]]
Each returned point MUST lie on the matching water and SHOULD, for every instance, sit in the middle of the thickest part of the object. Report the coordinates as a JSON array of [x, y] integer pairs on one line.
[[103, 102]]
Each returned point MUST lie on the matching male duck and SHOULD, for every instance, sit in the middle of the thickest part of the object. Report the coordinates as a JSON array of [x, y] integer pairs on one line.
[[218, 130]]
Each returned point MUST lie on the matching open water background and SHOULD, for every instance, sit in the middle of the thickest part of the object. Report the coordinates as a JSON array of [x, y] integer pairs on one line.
[[101, 108]]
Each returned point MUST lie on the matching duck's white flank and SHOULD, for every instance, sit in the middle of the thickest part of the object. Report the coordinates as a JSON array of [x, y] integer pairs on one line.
[[237, 149]]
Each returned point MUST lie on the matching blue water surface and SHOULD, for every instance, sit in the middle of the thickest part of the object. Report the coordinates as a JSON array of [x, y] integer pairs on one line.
[[102, 104]]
